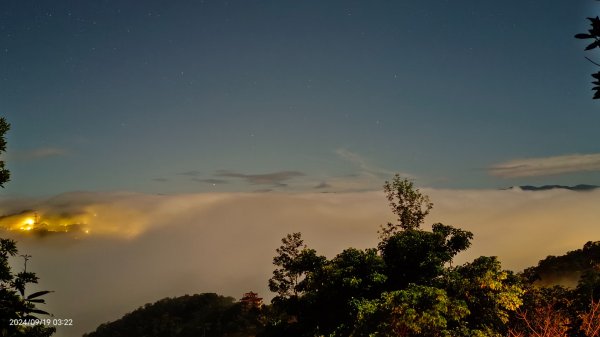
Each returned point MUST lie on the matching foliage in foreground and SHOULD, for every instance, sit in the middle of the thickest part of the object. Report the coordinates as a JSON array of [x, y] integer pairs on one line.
[[593, 34], [14, 303], [407, 286], [4, 173]]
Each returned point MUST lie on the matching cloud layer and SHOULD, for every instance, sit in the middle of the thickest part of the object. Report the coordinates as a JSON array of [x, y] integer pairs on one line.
[[145, 247], [531, 167], [364, 167], [39, 153], [274, 178]]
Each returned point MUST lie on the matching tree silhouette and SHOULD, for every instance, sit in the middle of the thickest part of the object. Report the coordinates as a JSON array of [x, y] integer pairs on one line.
[[294, 261], [406, 286], [593, 34], [408, 203], [4, 173], [15, 306]]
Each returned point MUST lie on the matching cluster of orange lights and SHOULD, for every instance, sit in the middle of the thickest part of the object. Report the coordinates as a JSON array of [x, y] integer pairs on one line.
[[32, 224], [28, 224]]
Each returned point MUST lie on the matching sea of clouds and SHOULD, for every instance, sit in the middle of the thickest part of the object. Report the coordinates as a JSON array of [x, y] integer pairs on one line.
[[142, 247]]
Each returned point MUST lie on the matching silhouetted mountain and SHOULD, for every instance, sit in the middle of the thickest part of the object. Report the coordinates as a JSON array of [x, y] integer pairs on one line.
[[565, 270], [580, 187], [206, 315]]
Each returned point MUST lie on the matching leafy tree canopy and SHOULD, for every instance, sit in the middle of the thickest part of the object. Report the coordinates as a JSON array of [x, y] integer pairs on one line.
[[407, 203], [415, 311], [406, 286]]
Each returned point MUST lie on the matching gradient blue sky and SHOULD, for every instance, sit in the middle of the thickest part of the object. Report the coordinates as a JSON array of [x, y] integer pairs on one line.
[[194, 96]]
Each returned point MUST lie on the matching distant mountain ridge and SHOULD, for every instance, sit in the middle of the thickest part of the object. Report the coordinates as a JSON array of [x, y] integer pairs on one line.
[[578, 188]]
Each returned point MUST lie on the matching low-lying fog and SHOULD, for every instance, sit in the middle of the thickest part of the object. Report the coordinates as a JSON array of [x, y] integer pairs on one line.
[[139, 248]]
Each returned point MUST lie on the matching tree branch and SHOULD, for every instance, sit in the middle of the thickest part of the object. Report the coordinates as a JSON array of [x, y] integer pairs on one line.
[[587, 58]]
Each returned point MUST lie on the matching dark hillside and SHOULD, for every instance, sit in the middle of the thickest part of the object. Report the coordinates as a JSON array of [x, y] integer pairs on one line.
[[207, 315], [566, 269]]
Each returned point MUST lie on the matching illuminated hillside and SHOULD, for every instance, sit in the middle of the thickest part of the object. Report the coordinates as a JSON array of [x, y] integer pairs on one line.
[[30, 222]]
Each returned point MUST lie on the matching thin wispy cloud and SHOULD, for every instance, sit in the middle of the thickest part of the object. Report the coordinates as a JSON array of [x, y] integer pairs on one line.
[[365, 167], [192, 173], [274, 178], [211, 181], [546, 166], [360, 162], [366, 176], [35, 154]]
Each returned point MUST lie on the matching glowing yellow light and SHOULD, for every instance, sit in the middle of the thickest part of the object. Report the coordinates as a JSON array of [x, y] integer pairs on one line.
[[87, 231], [29, 221], [26, 228]]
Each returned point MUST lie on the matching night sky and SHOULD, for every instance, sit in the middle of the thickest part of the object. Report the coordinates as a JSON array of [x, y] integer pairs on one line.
[[141, 131], [197, 96]]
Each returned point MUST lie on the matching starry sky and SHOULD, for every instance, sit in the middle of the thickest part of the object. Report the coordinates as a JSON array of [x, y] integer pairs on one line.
[[187, 96], [195, 96], [146, 122]]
